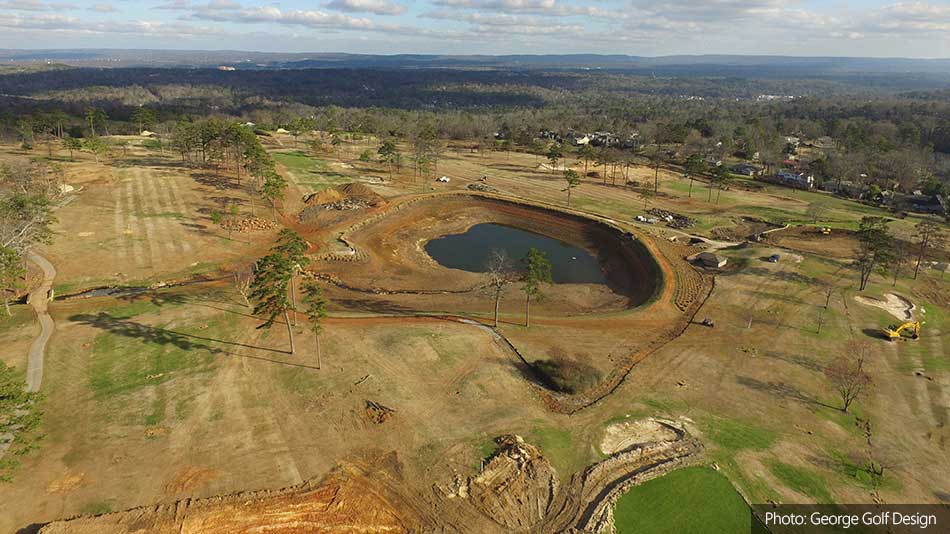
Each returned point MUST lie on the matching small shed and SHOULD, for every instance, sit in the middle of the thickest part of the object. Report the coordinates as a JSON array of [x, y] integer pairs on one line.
[[708, 259]]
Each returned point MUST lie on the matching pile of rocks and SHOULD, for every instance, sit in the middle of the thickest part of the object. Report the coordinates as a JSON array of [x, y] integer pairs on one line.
[[247, 224], [674, 220], [346, 204], [482, 187]]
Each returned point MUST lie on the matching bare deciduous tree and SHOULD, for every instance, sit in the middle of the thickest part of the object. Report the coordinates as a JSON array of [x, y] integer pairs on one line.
[[848, 375], [931, 236], [500, 273], [242, 283]]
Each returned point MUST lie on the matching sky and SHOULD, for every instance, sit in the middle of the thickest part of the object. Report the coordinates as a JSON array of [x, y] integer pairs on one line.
[[871, 28]]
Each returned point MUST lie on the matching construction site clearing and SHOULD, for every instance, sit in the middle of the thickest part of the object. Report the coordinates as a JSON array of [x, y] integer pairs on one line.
[[170, 411]]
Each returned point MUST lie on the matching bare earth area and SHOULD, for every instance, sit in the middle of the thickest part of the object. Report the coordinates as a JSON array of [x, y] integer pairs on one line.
[[170, 404]]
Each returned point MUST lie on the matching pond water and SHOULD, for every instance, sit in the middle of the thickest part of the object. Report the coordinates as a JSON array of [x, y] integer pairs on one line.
[[470, 251]]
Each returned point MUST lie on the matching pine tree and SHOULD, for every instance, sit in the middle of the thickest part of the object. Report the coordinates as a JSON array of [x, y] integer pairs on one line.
[[315, 308], [269, 291], [293, 248], [537, 272]]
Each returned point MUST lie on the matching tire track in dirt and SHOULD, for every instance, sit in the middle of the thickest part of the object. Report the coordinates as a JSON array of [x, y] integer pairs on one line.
[[176, 199], [916, 395], [139, 204], [937, 386], [156, 211], [133, 223], [122, 244]]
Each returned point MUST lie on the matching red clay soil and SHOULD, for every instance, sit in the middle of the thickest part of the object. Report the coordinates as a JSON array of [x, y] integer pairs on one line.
[[349, 500]]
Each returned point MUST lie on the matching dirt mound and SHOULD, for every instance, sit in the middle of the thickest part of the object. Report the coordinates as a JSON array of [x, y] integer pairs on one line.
[[327, 196], [350, 196], [517, 485], [346, 501], [360, 192], [622, 436], [377, 413], [351, 191]]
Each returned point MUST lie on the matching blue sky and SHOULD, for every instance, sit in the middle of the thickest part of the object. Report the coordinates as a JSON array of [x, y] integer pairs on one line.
[[636, 27]]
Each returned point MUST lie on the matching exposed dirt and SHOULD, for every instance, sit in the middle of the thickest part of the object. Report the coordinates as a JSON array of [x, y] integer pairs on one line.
[[840, 244], [349, 500], [622, 436], [516, 487], [744, 228], [894, 304]]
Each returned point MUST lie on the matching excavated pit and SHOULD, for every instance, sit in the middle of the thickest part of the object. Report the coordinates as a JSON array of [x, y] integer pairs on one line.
[[388, 255]]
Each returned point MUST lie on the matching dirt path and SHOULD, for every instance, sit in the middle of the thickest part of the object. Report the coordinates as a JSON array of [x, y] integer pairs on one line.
[[39, 299]]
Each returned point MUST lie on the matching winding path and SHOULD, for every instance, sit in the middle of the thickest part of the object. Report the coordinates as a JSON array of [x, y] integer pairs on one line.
[[39, 299]]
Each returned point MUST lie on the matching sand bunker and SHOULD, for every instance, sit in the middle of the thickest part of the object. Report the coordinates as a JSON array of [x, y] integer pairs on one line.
[[621, 436], [894, 304]]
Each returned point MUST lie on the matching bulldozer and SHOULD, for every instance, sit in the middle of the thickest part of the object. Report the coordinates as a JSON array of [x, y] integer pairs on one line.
[[909, 329], [824, 230]]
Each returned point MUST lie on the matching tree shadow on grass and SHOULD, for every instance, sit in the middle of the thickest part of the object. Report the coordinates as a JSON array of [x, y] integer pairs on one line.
[[157, 335], [183, 341], [779, 389]]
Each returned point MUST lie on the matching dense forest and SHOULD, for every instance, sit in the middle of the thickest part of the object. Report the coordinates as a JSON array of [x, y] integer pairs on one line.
[[892, 139]]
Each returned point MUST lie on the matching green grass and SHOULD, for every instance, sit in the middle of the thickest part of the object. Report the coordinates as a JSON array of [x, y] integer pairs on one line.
[[309, 170], [96, 508], [147, 356], [733, 435], [19, 320], [801, 480], [297, 380], [157, 414], [657, 506], [558, 446]]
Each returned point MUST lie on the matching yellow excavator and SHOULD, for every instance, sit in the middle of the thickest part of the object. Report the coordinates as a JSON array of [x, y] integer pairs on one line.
[[909, 329]]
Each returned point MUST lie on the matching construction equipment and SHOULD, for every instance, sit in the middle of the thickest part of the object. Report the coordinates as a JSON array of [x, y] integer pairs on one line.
[[901, 331], [824, 230]]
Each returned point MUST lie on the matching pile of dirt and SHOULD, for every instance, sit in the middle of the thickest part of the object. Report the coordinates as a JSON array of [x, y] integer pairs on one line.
[[327, 196], [247, 224], [517, 485], [350, 196], [377, 413], [673, 220], [357, 191]]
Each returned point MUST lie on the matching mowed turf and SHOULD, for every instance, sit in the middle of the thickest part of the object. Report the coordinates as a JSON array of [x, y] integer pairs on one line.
[[693, 500]]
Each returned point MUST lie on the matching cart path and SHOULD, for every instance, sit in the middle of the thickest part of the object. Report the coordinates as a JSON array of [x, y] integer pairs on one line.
[[39, 299]]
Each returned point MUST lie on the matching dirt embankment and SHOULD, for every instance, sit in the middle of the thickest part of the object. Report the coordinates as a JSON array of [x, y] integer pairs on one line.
[[352, 499]]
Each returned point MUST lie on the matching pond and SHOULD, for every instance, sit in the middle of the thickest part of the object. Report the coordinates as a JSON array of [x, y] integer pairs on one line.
[[470, 251]]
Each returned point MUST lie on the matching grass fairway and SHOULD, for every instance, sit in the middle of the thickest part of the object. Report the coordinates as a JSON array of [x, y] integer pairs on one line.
[[690, 500]]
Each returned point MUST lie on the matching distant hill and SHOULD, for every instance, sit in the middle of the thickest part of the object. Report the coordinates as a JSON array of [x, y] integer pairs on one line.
[[683, 65]]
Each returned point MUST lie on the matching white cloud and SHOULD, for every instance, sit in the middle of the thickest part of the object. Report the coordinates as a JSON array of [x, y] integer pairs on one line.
[[540, 7], [379, 7], [103, 8]]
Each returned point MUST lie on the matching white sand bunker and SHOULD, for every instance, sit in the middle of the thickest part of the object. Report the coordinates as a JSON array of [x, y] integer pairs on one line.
[[894, 304], [621, 436]]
